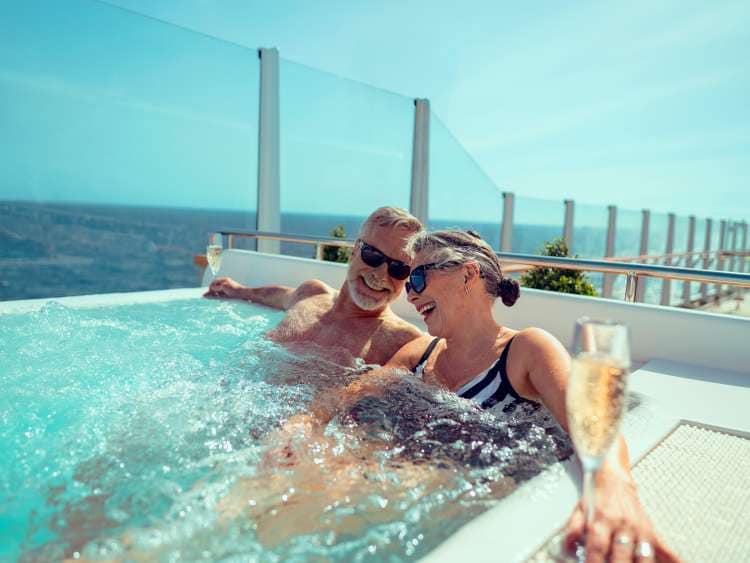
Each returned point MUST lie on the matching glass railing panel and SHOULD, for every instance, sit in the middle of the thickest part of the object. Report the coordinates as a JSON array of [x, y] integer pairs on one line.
[[535, 222], [460, 193], [590, 236], [627, 243], [345, 151], [679, 247], [125, 140], [590, 232], [657, 244]]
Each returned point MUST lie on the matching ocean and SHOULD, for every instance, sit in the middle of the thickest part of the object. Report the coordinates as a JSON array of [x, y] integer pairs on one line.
[[61, 249]]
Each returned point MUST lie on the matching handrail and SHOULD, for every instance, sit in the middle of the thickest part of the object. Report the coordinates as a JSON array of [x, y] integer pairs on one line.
[[625, 268], [633, 271]]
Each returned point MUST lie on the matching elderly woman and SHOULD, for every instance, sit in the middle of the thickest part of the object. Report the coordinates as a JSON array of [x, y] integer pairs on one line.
[[455, 280]]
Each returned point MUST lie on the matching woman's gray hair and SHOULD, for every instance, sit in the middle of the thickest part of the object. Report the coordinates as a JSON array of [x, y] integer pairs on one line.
[[454, 247]]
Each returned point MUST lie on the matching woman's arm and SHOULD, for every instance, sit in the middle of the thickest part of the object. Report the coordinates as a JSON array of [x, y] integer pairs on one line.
[[538, 367]]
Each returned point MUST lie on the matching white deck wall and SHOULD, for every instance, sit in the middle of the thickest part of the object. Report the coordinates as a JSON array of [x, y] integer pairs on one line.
[[681, 335]]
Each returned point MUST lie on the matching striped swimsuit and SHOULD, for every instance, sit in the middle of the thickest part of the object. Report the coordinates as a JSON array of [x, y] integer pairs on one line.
[[490, 388]]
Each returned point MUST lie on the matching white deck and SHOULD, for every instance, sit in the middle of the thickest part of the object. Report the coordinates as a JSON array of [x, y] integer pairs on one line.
[[697, 369]]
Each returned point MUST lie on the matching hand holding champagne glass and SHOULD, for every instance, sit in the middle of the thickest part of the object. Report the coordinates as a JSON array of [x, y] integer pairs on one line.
[[213, 252], [596, 395]]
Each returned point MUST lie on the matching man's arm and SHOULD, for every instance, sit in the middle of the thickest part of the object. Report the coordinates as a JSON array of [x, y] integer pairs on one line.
[[277, 296]]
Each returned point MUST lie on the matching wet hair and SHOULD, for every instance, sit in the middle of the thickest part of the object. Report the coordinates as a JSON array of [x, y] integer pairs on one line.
[[393, 217], [456, 247]]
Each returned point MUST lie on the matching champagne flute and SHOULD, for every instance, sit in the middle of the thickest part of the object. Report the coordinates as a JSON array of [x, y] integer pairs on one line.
[[596, 396], [213, 252]]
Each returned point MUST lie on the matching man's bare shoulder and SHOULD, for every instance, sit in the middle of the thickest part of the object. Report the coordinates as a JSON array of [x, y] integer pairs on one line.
[[311, 288], [402, 329]]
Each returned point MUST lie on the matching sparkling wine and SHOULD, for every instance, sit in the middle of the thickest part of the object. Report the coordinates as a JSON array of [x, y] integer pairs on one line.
[[213, 255], [595, 403]]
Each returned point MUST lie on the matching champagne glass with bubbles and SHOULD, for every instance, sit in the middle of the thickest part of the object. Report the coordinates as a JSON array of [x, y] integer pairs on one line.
[[213, 252], [596, 396]]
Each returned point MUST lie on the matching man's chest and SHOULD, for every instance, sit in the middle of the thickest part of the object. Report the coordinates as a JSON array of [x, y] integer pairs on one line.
[[314, 324]]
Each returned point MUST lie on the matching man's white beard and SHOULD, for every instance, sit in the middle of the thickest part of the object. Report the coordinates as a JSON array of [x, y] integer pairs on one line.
[[365, 302]]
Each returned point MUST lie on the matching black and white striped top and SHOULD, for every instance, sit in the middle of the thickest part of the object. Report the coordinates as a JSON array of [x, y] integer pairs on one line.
[[490, 388]]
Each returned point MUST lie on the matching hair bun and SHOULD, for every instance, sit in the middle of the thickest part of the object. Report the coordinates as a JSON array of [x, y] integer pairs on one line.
[[509, 291]]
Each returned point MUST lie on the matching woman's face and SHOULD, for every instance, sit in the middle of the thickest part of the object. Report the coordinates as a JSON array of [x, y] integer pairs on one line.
[[443, 302]]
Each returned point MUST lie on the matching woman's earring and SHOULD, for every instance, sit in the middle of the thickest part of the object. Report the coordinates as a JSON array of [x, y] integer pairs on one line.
[[466, 289]]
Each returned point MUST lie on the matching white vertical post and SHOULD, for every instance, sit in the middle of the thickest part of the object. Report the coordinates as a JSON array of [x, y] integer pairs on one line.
[[568, 224], [609, 251], [666, 285], [706, 256], [269, 196], [420, 161], [733, 265], [744, 259], [719, 256], [643, 251], [506, 232], [689, 258]]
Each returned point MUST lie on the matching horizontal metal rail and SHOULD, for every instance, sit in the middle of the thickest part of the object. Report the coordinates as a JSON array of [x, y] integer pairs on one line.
[[641, 270], [633, 271]]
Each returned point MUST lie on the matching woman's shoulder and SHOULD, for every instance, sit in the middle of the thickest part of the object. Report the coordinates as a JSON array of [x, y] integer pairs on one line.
[[410, 353], [534, 336], [537, 343]]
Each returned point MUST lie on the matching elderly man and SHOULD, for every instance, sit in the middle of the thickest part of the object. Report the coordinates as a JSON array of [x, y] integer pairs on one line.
[[357, 317]]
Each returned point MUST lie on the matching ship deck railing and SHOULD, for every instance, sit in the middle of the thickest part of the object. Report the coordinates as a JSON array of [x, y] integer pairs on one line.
[[636, 269]]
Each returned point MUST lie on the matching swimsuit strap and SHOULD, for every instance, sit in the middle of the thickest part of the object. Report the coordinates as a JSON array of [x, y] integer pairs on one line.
[[491, 386], [504, 372], [426, 354]]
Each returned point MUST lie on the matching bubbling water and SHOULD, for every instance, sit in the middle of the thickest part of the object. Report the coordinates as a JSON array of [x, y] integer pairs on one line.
[[151, 431]]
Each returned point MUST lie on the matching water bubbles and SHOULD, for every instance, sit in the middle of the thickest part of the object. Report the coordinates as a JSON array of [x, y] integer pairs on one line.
[[157, 415]]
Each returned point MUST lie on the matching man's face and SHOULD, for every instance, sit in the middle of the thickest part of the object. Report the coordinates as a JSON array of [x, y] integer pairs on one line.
[[372, 288]]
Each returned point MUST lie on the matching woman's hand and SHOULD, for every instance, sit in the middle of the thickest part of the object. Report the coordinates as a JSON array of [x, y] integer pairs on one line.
[[621, 530]]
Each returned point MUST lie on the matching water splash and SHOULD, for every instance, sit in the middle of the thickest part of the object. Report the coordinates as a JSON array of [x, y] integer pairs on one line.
[[147, 430]]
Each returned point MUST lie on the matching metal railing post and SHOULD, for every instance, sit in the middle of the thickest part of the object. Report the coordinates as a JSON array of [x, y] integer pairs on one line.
[[744, 260], [689, 258], [609, 251], [706, 256], [631, 287], [733, 261], [666, 285], [645, 222], [420, 161], [568, 224], [719, 256], [506, 231], [269, 199]]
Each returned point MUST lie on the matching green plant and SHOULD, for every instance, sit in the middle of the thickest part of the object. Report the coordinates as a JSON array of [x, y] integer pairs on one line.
[[337, 253], [554, 279]]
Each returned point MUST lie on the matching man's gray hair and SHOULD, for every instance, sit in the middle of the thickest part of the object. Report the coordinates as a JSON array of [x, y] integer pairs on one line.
[[455, 247], [392, 217]]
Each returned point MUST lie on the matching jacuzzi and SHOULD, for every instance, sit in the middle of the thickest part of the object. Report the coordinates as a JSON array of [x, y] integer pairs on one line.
[[690, 394]]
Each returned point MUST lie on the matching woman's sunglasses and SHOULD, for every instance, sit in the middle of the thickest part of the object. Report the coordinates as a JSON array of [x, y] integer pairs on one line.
[[418, 278], [374, 258]]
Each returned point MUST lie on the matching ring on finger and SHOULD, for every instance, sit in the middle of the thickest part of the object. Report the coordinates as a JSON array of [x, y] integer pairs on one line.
[[623, 539], [644, 550]]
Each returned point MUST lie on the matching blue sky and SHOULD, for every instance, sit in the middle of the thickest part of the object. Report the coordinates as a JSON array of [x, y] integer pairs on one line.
[[640, 104]]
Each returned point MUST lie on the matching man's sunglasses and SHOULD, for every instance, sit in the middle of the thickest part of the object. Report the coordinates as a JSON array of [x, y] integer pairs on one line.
[[374, 258]]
